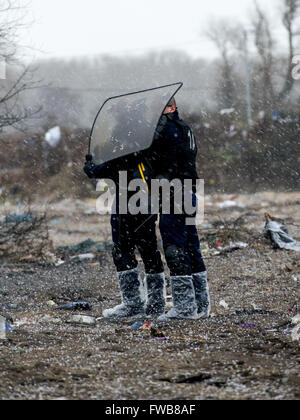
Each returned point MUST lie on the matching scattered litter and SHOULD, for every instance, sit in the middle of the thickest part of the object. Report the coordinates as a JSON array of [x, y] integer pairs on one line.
[[250, 312], [104, 246], [256, 308], [183, 379], [53, 259], [279, 235], [5, 327], [56, 221], [2, 328], [9, 328], [207, 226], [289, 327], [51, 303], [268, 291], [75, 306], [229, 203], [90, 212], [20, 218], [290, 268], [239, 245], [248, 325], [137, 325], [234, 246], [296, 319], [58, 262], [227, 111], [97, 264], [231, 249], [81, 248], [53, 136], [224, 304], [294, 309], [296, 333], [49, 319], [26, 320], [204, 250], [85, 247], [81, 319], [155, 333], [147, 325], [84, 257]]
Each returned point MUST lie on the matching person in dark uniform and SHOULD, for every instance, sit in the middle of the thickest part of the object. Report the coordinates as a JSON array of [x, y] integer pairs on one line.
[[126, 240], [173, 156]]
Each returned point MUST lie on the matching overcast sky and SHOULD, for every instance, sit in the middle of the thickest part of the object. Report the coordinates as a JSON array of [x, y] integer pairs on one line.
[[65, 28]]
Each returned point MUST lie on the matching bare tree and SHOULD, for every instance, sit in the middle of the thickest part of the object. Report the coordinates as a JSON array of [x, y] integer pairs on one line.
[[227, 39], [20, 77], [290, 14], [264, 43]]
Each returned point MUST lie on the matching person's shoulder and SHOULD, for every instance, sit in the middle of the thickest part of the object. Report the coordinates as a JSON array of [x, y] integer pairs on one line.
[[183, 122]]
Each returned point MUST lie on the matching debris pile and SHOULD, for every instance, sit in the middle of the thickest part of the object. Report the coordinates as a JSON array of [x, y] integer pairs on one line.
[[296, 328], [279, 235], [75, 306], [5, 327], [85, 248], [219, 238]]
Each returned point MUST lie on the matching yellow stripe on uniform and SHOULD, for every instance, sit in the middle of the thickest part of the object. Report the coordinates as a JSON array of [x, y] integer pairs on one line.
[[142, 168]]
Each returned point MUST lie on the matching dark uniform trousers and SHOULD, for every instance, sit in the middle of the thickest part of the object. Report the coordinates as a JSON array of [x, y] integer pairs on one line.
[[181, 245], [131, 232]]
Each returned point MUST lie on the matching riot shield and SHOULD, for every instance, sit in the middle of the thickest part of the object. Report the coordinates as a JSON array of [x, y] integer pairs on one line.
[[126, 124]]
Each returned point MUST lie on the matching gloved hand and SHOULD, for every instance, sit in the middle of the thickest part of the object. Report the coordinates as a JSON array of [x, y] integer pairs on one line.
[[89, 166], [89, 158]]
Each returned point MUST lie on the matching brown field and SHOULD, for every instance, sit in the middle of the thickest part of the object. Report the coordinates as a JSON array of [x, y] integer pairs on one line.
[[243, 352]]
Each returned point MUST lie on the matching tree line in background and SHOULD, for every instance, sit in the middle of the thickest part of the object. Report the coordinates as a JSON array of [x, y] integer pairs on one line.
[[233, 156]]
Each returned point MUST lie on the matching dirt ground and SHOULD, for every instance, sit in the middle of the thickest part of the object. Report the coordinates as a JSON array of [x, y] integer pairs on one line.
[[244, 351]]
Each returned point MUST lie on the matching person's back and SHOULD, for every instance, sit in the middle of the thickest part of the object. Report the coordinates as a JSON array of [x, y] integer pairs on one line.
[[174, 150], [173, 156]]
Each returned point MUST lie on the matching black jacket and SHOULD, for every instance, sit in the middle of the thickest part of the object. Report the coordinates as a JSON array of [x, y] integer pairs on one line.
[[171, 156], [174, 150]]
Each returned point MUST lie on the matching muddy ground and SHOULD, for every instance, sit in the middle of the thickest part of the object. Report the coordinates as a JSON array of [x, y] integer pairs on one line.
[[244, 351]]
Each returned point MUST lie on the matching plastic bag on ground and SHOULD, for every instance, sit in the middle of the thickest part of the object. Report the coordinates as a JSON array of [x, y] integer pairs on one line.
[[279, 235]]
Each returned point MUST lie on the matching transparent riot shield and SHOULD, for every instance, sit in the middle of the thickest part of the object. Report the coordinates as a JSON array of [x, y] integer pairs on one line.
[[126, 124]]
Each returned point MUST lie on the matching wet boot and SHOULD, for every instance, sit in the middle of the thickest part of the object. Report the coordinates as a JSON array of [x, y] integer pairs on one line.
[[156, 295], [201, 287], [184, 303], [133, 304]]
